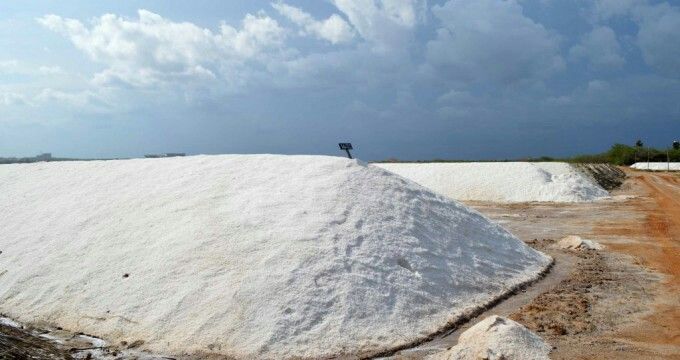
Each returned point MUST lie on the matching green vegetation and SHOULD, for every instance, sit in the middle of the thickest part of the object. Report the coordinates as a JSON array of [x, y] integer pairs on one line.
[[620, 154]]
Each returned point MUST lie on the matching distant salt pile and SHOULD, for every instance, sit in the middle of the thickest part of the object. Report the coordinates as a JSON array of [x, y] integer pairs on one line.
[[573, 242], [657, 166], [257, 256], [502, 181], [497, 338]]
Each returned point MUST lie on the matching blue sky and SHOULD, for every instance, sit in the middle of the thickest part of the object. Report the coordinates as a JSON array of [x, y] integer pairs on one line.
[[411, 79]]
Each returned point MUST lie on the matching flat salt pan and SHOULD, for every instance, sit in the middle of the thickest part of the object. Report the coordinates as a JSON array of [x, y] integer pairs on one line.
[[502, 181], [246, 255], [497, 338], [657, 166]]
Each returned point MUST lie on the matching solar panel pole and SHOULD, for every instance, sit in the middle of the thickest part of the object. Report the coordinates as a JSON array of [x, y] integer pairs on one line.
[[347, 147]]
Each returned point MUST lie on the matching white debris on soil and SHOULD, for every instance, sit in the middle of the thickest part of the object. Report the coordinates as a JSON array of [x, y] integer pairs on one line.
[[51, 337], [502, 181], [8, 322], [251, 256], [573, 242], [92, 341], [657, 166], [77, 345], [497, 338]]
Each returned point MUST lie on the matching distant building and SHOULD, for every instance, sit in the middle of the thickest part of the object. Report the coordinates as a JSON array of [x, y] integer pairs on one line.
[[44, 157], [28, 160], [155, 156]]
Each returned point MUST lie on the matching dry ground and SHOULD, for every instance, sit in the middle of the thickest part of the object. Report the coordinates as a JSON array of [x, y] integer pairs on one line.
[[620, 303]]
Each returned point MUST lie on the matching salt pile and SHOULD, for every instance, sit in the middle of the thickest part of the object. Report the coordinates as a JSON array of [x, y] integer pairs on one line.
[[657, 166], [497, 338], [502, 181], [573, 242], [250, 256]]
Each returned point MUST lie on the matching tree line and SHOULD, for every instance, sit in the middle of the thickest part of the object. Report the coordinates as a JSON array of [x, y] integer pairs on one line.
[[621, 154]]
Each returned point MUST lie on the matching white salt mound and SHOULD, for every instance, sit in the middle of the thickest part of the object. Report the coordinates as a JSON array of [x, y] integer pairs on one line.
[[502, 181], [497, 338], [573, 242], [657, 166], [250, 256]]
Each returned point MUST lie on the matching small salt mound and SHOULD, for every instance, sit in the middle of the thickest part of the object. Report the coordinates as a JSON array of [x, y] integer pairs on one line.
[[502, 181], [497, 338], [657, 166], [573, 242], [249, 256]]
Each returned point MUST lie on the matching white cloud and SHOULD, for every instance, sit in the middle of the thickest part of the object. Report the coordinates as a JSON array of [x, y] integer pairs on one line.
[[88, 101], [600, 47], [12, 98], [562, 100], [334, 29], [387, 24], [658, 29], [258, 34], [458, 103], [456, 97], [9, 66], [50, 70], [596, 86], [492, 40], [659, 37], [15, 67], [79, 99], [151, 49]]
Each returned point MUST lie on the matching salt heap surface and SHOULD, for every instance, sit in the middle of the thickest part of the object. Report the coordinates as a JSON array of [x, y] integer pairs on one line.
[[497, 338], [248, 256], [657, 166], [502, 181]]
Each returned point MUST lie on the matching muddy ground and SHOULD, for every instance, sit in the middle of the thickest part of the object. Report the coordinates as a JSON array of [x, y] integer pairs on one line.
[[622, 302]]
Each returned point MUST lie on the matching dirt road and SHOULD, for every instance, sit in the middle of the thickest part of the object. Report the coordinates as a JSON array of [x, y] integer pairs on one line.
[[658, 248], [624, 304]]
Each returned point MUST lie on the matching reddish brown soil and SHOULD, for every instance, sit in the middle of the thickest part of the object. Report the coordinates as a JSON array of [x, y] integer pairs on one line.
[[619, 303], [659, 250]]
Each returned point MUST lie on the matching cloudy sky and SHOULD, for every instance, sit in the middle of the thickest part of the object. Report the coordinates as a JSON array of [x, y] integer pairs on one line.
[[412, 79]]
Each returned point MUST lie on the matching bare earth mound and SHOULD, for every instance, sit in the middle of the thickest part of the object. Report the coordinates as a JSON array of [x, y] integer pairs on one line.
[[609, 177], [248, 256]]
